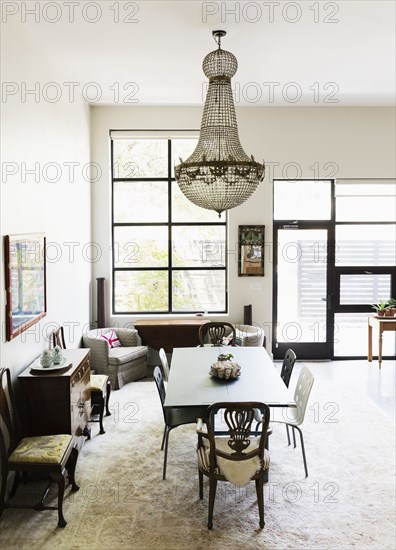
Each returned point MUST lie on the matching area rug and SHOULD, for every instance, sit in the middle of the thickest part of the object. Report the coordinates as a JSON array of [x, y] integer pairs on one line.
[[346, 502]]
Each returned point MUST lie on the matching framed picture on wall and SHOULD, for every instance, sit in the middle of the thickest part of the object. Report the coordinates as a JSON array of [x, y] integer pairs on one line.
[[251, 250], [25, 282]]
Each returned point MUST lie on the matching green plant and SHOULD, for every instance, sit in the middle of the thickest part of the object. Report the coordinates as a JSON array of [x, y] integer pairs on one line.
[[392, 302], [381, 306]]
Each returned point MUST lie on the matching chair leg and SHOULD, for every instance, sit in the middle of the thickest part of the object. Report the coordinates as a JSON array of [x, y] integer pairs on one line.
[[294, 437], [15, 483], [288, 435], [212, 496], [303, 451], [163, 439], [108, 392], [61, 490], [200, 477], [101, 403], [2, 491], [260, 500], [71, 469], [168, 429]]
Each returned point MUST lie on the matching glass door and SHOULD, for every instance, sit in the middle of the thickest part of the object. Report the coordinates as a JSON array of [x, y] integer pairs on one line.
[[303, 302]]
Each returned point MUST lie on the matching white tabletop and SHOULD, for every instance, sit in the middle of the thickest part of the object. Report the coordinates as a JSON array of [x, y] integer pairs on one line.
[[191, 385]]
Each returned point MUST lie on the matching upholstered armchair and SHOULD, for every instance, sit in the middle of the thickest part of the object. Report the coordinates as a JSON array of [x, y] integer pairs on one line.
[[117, 353], [249, 335]]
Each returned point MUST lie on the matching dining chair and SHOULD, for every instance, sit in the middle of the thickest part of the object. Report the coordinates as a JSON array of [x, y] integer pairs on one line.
[[173, 417], [216, 333], [287, 366], [164, 363], [286, 372], [100, 386], [295, 416], [229, 450], [52, 455]]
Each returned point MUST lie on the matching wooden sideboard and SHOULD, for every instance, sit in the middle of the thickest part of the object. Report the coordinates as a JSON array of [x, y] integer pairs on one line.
[[57, 402], [169, 333]]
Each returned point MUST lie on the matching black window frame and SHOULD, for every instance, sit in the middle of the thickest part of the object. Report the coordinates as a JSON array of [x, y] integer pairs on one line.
[[170, 269]]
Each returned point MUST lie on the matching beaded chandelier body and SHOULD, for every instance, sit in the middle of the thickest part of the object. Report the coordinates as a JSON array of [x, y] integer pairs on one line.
[[219, 175]]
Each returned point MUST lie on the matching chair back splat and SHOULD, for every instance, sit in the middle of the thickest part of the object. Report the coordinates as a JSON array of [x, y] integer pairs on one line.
[[164, 363], [301, 393], [215, 332], [287, 367]]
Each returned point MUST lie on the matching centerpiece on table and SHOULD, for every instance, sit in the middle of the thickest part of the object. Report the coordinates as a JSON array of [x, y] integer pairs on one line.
[[224, 368]]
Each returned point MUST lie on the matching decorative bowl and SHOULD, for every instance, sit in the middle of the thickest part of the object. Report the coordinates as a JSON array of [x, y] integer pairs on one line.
[[225, 370]]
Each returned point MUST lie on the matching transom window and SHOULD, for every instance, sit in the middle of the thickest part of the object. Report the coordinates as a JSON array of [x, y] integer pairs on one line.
[[169, 256]]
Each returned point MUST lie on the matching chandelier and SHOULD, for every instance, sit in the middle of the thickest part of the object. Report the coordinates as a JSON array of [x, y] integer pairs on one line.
[[219, 175]]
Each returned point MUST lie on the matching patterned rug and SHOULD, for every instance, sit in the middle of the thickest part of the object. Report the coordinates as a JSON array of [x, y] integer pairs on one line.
[[346, 502]]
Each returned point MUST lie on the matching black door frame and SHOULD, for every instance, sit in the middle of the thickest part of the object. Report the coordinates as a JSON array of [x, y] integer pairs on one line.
[[306, 350]]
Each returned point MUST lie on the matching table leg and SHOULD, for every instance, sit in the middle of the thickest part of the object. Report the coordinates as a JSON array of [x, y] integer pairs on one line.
[[380, 347], [370, 343]]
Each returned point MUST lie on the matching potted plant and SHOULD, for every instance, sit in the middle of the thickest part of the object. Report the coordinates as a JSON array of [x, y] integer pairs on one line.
[[392, 307], [380, 308]]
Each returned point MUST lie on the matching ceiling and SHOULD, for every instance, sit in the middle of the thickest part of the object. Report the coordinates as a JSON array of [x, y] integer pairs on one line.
[[302, 53]]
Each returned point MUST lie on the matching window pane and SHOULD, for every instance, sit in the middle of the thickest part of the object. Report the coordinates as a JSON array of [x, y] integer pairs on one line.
[[140, 201], [365, 189], [140, 246], [140, 158], [302, 286], [365, 245], [365, 209], [302, 200], [350, 336], [198, 246], [185, 211], [182, 149], [364, 289], [198, 290], [140, 291]]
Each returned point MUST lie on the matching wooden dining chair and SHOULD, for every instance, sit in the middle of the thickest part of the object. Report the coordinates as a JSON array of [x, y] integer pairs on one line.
[[100, 386], [215, 334], [229, 440], [52, 455]]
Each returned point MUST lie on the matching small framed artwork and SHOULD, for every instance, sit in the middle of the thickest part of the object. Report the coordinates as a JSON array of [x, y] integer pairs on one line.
[[251, 250], [25, 282]]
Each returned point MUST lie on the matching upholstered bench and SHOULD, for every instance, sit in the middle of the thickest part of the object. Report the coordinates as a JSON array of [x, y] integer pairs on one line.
[[100, 395], [122, 364]]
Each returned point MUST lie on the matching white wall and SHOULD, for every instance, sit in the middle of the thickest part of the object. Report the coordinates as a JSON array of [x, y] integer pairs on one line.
[[357, 142], [36, 132]]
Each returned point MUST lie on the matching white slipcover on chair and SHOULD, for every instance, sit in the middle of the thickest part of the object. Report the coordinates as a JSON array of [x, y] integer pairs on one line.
[[249, 335]]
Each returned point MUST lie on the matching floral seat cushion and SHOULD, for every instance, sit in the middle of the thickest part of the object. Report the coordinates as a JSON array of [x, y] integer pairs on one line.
[[43, 449]]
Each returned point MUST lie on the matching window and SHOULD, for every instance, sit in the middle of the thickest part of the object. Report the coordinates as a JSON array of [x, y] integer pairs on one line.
[[169, 256]]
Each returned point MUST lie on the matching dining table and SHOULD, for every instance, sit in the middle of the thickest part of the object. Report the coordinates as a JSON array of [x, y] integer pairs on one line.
[[191, 385]]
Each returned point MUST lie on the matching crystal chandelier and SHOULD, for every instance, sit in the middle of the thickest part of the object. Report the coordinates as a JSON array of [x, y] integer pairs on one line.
[[219, 175]]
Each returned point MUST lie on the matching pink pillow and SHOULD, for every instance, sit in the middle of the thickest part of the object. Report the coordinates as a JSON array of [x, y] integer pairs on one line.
[[111, 338]]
